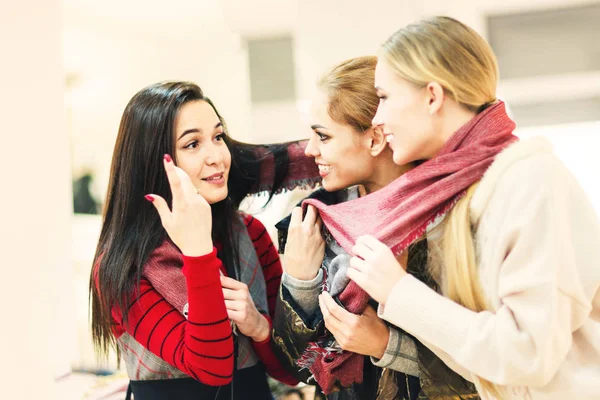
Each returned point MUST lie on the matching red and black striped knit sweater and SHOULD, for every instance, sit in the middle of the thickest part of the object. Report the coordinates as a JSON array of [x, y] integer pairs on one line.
[[202, 345]]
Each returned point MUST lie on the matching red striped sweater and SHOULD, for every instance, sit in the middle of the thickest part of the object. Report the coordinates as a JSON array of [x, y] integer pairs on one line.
[[202, 345]]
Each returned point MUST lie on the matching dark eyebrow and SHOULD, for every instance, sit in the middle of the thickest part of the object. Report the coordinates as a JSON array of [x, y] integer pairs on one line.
[[194, 130], [317, 126]]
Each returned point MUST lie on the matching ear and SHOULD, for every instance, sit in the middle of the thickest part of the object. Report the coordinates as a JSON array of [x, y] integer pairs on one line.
[[434, 97], [377, 142]]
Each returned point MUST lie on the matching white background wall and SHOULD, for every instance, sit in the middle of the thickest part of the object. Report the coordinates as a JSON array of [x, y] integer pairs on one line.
[[38, 328]]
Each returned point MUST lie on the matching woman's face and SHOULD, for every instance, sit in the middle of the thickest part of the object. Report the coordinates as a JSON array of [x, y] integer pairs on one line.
[[405, 114], [342, 154], [201, 151]]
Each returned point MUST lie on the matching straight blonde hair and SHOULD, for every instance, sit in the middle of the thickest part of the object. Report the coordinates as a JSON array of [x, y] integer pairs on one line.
[[446, 51]]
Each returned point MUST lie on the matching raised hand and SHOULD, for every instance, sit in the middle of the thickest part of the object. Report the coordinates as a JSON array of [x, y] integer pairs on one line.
[[305, 246], [189, 222]]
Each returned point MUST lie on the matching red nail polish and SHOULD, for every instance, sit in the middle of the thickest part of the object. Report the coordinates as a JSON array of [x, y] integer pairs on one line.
[[149, 198], [168, 158]]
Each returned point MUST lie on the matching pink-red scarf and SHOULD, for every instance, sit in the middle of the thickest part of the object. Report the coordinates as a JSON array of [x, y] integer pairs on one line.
[[399, 214]]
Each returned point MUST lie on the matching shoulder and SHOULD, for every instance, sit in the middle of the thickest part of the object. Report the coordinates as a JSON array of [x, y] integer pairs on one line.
[[166, 254], [524, 171], [253, 225]]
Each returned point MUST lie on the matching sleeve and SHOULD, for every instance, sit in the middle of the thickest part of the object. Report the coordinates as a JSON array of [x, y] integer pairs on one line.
[[536, 224], [272, 271], [305, 293], [202, 345], [400, 354], [291, 334]]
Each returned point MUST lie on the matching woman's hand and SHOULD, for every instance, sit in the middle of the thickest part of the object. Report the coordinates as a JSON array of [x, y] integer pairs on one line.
[[374, 268], [305, 247], [364, 334], [189, 223], [242, 311]]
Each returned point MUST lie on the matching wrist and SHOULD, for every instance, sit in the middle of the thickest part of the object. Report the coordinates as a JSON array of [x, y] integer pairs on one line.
[[303, 276], [382, 344], [200, 249], [263, 329]]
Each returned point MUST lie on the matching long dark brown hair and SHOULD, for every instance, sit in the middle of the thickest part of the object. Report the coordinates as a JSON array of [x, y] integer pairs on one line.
[[131, 227]]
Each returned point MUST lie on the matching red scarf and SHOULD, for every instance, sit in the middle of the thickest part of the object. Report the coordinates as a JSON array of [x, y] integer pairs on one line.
[[399, 213]]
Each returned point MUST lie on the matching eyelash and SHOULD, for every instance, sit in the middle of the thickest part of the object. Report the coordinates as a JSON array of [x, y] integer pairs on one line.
[[193, 144], [382, 98], [322, 137]]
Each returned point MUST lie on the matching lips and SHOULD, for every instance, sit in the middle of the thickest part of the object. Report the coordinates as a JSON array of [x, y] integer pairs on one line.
[[324, 169], [214, 177]]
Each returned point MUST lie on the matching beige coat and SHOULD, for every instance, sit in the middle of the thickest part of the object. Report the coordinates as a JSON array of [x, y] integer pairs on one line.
[[538, 240]]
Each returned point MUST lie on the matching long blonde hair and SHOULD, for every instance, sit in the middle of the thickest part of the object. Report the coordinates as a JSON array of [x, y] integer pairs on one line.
[[446, 51]]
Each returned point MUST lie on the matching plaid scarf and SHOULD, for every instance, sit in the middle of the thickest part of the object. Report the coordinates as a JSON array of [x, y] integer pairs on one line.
[[170, 282], [399, 214]]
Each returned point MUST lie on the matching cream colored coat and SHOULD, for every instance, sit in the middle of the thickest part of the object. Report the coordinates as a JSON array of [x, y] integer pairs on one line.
[[538, 247]]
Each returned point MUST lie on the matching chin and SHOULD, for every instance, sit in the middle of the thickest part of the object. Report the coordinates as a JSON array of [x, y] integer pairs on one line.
[[331, 186], [214, 198], [400, 158]]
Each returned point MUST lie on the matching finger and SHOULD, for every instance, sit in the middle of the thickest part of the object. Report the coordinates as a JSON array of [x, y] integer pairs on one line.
[[233, 305], [235, 316], [334, 325], [311, 216], [370, 242], [174, 180], [362, 251], [229, 294], [319, 223], [369, 312], [338, 312], [162, 207], [230, 283], [359, 264], [186, 182], [296, 217], [358, 277]]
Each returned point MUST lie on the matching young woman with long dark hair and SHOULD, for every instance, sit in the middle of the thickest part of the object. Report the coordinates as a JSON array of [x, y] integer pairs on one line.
[[187, 292]]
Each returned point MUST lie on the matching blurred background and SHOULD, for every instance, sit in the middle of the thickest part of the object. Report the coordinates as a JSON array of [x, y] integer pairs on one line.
[[69, 68]]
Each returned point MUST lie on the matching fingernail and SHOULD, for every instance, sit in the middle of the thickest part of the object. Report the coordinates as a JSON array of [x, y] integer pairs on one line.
[[149, 198], [168, 158]]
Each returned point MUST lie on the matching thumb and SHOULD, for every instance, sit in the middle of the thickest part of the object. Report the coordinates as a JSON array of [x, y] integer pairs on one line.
[[370, 312], [162, 208]]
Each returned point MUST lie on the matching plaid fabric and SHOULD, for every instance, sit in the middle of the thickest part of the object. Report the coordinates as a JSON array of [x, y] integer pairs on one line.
[[169, 281]]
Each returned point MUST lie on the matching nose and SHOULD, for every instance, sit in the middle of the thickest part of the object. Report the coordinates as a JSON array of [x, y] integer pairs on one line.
[[312, 149], [377, 119], [212, 155]]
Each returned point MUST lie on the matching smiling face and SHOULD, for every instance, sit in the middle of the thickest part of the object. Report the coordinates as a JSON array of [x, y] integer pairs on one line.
[[405, 115], [201, 151], [342, 154]]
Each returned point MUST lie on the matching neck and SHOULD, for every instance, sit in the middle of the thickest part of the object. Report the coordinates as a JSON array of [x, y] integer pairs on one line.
[[384, 173]]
